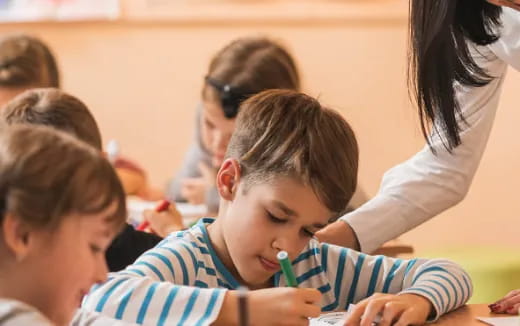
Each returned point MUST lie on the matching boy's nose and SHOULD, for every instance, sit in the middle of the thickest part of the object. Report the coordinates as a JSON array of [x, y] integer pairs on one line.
[[284, 243]]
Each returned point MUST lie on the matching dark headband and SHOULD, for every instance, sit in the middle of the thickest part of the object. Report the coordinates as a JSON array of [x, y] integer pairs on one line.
[[230, 96]]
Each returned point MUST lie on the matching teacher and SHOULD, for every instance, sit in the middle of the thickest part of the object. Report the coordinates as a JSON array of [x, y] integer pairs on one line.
[[460, 51]]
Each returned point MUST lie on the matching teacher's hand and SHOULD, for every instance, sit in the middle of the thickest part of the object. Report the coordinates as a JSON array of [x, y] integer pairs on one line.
[[339, 233], [510, 304]]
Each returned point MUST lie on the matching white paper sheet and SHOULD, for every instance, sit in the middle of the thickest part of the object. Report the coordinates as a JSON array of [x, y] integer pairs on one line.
[[330, 319], [338, 318], [501, 321]]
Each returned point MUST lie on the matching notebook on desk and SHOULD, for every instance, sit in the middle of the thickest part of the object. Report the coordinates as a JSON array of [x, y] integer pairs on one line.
[[336, 318], [136, 206], [330, 319], [501, 321]]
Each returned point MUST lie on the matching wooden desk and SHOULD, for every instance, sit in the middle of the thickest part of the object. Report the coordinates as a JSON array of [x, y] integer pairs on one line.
[[466, 316]]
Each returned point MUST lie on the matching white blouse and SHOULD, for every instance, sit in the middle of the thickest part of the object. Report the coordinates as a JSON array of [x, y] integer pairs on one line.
[[427, 184]]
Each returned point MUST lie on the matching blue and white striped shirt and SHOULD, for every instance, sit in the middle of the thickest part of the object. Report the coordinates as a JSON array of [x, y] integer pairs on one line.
[[182, 281]]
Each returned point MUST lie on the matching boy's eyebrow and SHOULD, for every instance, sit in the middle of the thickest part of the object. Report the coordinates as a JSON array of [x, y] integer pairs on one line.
[[292, 213], [319, 225], [285, 209]]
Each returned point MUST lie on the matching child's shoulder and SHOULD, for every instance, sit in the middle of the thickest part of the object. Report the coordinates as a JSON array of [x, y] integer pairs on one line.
[[194, 239]]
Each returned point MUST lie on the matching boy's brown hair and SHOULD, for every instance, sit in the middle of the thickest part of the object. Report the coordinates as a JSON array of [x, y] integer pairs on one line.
[[26, 61], [248, 66], [56, 109], [286, 133], [46, 175]]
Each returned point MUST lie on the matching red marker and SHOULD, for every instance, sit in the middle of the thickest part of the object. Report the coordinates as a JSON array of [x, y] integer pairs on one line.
[[161, 207]]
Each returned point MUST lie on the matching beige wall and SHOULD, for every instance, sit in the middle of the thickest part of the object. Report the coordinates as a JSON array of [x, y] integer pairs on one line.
[[142, 82]]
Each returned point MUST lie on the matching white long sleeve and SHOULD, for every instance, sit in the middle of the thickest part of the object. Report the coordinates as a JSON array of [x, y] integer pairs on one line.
[[428, 183]]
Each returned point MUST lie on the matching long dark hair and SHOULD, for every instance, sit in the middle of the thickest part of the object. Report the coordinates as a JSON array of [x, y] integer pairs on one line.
[[439, 56]]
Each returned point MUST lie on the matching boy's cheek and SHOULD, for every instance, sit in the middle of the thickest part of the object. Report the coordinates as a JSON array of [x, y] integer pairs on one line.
[[297, 250]]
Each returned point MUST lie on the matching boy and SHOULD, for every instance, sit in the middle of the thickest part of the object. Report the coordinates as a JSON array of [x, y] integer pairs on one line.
[[290, 168]]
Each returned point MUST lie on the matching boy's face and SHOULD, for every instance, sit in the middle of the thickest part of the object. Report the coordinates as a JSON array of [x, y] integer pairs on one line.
[[216, 130], [266, 218], [62, 265]]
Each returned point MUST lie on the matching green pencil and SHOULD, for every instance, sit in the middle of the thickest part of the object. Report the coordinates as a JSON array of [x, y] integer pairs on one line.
[[285, 263]]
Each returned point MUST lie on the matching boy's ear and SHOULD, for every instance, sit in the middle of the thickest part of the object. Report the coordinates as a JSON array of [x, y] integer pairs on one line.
[[227, 178], [16, 236]]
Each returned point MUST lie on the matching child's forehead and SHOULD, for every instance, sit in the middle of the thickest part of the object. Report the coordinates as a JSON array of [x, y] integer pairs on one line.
[[103, 222], [99, 225], [291, 196]]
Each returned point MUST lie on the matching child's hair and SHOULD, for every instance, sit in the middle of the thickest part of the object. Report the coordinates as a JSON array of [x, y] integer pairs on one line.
[[47, 174], [248, 66], [26, 61], [286, 133], [56, 109]]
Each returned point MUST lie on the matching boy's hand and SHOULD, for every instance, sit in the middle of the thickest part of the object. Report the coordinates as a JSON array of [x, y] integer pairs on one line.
[[274, 306], [508, 304], [398, 310], [284, 306], [166, 222]]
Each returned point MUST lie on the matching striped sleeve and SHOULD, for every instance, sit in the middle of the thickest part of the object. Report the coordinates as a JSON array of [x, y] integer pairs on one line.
[[356, 276], [158, 290]]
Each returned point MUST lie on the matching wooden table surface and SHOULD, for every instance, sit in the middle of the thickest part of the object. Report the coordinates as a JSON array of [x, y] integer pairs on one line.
[[466, 316]]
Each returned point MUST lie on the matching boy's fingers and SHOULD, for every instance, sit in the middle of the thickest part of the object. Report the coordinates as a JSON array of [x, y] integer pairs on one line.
[[311, 295], [407, 318], [392, 311], [373, 308], [355, 316], [311, 310]]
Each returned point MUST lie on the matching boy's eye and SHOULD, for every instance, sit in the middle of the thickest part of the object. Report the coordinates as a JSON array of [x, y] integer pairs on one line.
[[308, 233], [275, 219]]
